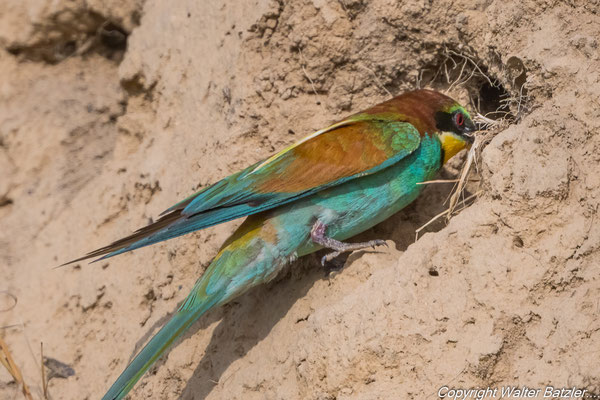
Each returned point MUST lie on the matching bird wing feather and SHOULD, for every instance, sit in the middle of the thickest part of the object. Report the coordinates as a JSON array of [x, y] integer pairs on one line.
[[360, 145]]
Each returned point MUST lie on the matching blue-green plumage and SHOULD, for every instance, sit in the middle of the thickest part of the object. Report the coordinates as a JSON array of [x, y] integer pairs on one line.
[[347, 209], [355, 206], [327, 188]]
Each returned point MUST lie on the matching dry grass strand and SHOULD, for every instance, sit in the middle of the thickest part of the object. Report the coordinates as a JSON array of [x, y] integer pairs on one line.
[[7, 361]]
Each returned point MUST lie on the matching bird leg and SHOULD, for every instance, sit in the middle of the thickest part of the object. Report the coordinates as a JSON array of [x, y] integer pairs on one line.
[[317, 234]]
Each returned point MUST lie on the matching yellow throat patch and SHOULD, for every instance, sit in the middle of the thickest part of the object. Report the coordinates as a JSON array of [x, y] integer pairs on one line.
[[451, 145]]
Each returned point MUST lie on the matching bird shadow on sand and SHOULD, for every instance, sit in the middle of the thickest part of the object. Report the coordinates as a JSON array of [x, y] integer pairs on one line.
[[249, 319]]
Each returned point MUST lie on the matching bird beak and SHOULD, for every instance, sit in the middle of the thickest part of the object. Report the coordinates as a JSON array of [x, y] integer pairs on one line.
[[469, 131]]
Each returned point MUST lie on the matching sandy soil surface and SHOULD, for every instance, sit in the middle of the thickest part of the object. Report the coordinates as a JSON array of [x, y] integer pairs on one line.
[[111, 111]]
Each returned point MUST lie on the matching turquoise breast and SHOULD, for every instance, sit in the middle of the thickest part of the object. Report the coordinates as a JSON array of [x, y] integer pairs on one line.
[[359, 204]]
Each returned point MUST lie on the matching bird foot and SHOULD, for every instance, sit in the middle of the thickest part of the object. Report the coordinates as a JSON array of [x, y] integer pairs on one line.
[[318, 236], [333, 265]]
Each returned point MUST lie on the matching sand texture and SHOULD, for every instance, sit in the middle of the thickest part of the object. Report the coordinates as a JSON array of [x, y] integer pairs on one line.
[[112, 111]]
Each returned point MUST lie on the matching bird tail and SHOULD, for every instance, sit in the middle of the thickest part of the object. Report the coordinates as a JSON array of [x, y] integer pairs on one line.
[[178, 324], [241, 264]]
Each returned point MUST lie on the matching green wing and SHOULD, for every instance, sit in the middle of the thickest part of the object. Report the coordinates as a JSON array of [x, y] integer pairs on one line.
[[358, 146]]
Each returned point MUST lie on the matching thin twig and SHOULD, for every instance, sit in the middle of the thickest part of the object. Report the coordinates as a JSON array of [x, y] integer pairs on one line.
[[376, 78], [44, 381], [474, 64], [312, 83], [24, 331], [8, 362], [447, 211], [420, 78], [463, 176]]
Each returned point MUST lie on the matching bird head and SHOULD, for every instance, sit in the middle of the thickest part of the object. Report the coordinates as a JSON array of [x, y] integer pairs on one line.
[[433, 113], [454, 128]]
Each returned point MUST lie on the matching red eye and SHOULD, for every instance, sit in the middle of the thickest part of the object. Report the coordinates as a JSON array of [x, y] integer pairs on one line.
[[459, 119]]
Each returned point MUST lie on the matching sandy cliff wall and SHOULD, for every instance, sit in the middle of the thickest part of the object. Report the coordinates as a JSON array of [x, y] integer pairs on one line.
[[112, 111]]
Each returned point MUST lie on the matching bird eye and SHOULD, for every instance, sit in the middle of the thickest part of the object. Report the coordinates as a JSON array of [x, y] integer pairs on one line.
[[459, 119]]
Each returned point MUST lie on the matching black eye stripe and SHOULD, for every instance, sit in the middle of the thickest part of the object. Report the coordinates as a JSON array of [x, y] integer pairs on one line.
[[456, 122]]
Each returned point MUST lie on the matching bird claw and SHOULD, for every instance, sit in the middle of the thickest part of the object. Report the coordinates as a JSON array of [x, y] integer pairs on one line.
[[378, 242], [328, 257], [331, 264], [318, 236]]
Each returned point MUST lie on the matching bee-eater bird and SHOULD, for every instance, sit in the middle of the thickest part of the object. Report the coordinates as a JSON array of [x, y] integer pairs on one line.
[[314, 194]]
